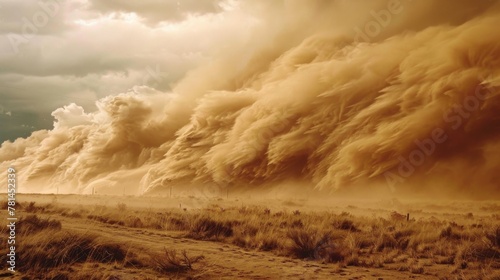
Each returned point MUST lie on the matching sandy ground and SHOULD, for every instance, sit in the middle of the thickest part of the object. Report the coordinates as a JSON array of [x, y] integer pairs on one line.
[[226, 261]]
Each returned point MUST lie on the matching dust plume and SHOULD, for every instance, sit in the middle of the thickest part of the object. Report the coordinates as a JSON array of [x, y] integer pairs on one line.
[[332, 94]]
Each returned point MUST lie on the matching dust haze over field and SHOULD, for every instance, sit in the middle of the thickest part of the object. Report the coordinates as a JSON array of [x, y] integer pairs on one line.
[[327, 94]]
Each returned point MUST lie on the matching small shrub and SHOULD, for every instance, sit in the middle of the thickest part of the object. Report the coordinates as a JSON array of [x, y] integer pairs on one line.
[[494, 237], [297, 224], [450, 233], [170, 261], [345, 214], [32, 224], [250, 230], [134, 221], [47, 250], [177, 224], [480, 251], [31, 208], [395, 216], [241, 241], [386, 241], [279, 214], [305, 243], [345, 224], [206, 228], [107, 252], [311, 245], [4, 204], [269, 244]]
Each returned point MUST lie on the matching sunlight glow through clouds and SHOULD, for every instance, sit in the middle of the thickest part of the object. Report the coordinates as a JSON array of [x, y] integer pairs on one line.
[[125, 17]]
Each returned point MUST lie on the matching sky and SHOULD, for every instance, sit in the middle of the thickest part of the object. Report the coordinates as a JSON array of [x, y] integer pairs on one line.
[[398, 95], [54, 53]]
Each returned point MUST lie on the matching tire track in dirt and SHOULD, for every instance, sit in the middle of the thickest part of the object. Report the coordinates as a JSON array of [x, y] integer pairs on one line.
[[226, 261]]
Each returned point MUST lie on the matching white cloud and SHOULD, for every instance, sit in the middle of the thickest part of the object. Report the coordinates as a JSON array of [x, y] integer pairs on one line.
[[91, 48], [155, 11], [70, 116]]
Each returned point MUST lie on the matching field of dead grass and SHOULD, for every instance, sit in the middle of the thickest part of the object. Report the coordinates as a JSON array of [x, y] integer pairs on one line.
[[447, 246], [45, 250]]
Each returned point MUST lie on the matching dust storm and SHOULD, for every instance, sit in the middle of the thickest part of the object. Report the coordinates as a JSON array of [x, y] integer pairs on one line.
[[398, 94]]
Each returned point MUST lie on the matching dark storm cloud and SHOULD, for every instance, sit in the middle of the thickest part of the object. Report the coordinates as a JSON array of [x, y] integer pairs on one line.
[[22, 124], [57, 52], [35, 64]]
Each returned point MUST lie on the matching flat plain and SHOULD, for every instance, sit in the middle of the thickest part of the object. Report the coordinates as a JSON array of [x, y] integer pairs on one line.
[[157, 237]]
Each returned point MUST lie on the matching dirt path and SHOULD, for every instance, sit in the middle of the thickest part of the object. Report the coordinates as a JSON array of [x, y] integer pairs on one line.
[[225, 261]]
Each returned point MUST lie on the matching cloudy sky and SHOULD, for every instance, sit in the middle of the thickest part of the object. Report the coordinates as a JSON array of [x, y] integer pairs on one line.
[[54, 52]]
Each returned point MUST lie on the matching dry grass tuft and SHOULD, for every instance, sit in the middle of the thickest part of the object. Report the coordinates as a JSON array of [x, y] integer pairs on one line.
[[44, 252], [171, 262], [46, 247], [32, 223], [309, 244], [207, 228]]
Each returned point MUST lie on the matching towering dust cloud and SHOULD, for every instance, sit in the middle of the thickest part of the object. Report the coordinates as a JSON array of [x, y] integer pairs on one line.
[[333, 94]]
